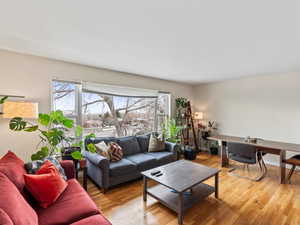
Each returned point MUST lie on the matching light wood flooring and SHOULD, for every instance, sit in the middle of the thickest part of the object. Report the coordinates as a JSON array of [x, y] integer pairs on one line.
[[241, 202]]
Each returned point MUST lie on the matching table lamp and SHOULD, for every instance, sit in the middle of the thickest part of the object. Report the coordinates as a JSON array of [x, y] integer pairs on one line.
[[198, 116], [28, 110]]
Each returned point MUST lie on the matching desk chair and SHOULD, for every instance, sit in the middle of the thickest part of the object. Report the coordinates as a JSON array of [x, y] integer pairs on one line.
[[247, 155], [294, 161]]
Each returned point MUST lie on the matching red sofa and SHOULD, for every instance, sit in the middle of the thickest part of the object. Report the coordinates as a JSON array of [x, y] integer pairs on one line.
[[17, 207]]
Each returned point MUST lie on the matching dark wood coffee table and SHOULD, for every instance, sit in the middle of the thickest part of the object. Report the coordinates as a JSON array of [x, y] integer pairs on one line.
[[180, 186]]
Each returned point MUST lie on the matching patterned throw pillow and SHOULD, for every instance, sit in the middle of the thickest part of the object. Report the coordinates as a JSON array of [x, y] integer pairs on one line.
[[103, 149], [116, 152], [156, 143], [34, 166]]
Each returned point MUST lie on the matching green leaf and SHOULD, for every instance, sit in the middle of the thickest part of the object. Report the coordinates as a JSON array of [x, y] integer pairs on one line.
[[54, 136], [91, 135], [2, 100], [68, 123], [78, 131], [57, 117], [34, 157], [43, 153], [76, 155], [44, 119], [45, 150], [92, 148], [31, 129], [17, 124]]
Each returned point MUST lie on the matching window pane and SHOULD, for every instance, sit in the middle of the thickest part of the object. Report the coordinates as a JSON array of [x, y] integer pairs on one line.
[[107, 115], [64, 97], [163, 109]]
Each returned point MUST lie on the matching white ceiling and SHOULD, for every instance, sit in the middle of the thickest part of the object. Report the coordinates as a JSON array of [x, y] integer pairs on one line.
[[189, 41]]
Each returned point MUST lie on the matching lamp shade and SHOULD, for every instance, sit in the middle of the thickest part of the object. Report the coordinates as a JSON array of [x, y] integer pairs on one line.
[[198, 115], [27, 110]]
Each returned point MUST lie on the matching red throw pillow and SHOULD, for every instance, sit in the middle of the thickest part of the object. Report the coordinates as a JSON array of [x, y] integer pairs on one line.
[[47, 185], [116, 152], [13, 167], [11, 157]]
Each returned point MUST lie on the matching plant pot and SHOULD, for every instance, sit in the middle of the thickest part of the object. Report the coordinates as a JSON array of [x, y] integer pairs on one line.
[[205, 134], [214, 150], [82, 163], [190, 154]]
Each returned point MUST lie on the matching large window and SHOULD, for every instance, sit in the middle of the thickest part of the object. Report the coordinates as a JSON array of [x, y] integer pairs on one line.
[[111, 111]]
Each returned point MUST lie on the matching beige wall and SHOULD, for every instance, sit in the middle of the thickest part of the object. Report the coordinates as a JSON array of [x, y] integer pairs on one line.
[[266, 106], [31, 76]]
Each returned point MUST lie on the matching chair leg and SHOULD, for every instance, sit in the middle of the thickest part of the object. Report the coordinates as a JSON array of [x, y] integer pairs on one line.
[[262, 168], [291, 173]]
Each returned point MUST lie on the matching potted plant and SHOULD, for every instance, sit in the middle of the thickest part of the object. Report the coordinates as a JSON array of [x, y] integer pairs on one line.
[[181, 102], [171, 132], [214, 148], [52, 130]]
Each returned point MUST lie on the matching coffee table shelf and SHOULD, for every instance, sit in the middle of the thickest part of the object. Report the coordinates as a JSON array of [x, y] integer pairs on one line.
[[170, 199]]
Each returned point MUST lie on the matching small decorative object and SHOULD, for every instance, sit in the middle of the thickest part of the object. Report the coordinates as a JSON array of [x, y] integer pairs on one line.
[[205, 134], [248, 139], [212, 125]]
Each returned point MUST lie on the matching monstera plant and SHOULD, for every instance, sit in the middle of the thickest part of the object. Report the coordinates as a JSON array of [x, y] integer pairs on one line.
[[52, 129]]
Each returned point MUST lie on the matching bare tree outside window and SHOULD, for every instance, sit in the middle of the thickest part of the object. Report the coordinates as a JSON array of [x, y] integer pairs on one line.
[[109, 115]]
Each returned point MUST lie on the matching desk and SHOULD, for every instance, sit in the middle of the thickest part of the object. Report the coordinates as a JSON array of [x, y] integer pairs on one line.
[[271, 147]]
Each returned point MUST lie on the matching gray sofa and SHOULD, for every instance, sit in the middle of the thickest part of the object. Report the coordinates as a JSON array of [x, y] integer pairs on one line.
[[135, 160]]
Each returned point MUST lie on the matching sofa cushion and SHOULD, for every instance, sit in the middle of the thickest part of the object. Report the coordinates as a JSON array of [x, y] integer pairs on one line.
[[14, 204], [93, 220], [163, 157], [143, 141], [143, 161], [47, 185], [74, 204], [156, 143], [13, 167], [99, 139], [116, 152], [4, 218], [121, 167], [129, 145]]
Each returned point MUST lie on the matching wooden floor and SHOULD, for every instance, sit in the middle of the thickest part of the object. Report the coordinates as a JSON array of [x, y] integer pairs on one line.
[[241, 202]]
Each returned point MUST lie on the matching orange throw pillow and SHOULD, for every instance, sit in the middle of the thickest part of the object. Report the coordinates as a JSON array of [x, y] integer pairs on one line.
[[46, 185]]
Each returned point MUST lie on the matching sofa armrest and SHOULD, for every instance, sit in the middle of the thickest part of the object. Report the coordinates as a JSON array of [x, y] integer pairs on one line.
[[97, 159], [69, 168], [170, 147], [98, 168]]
